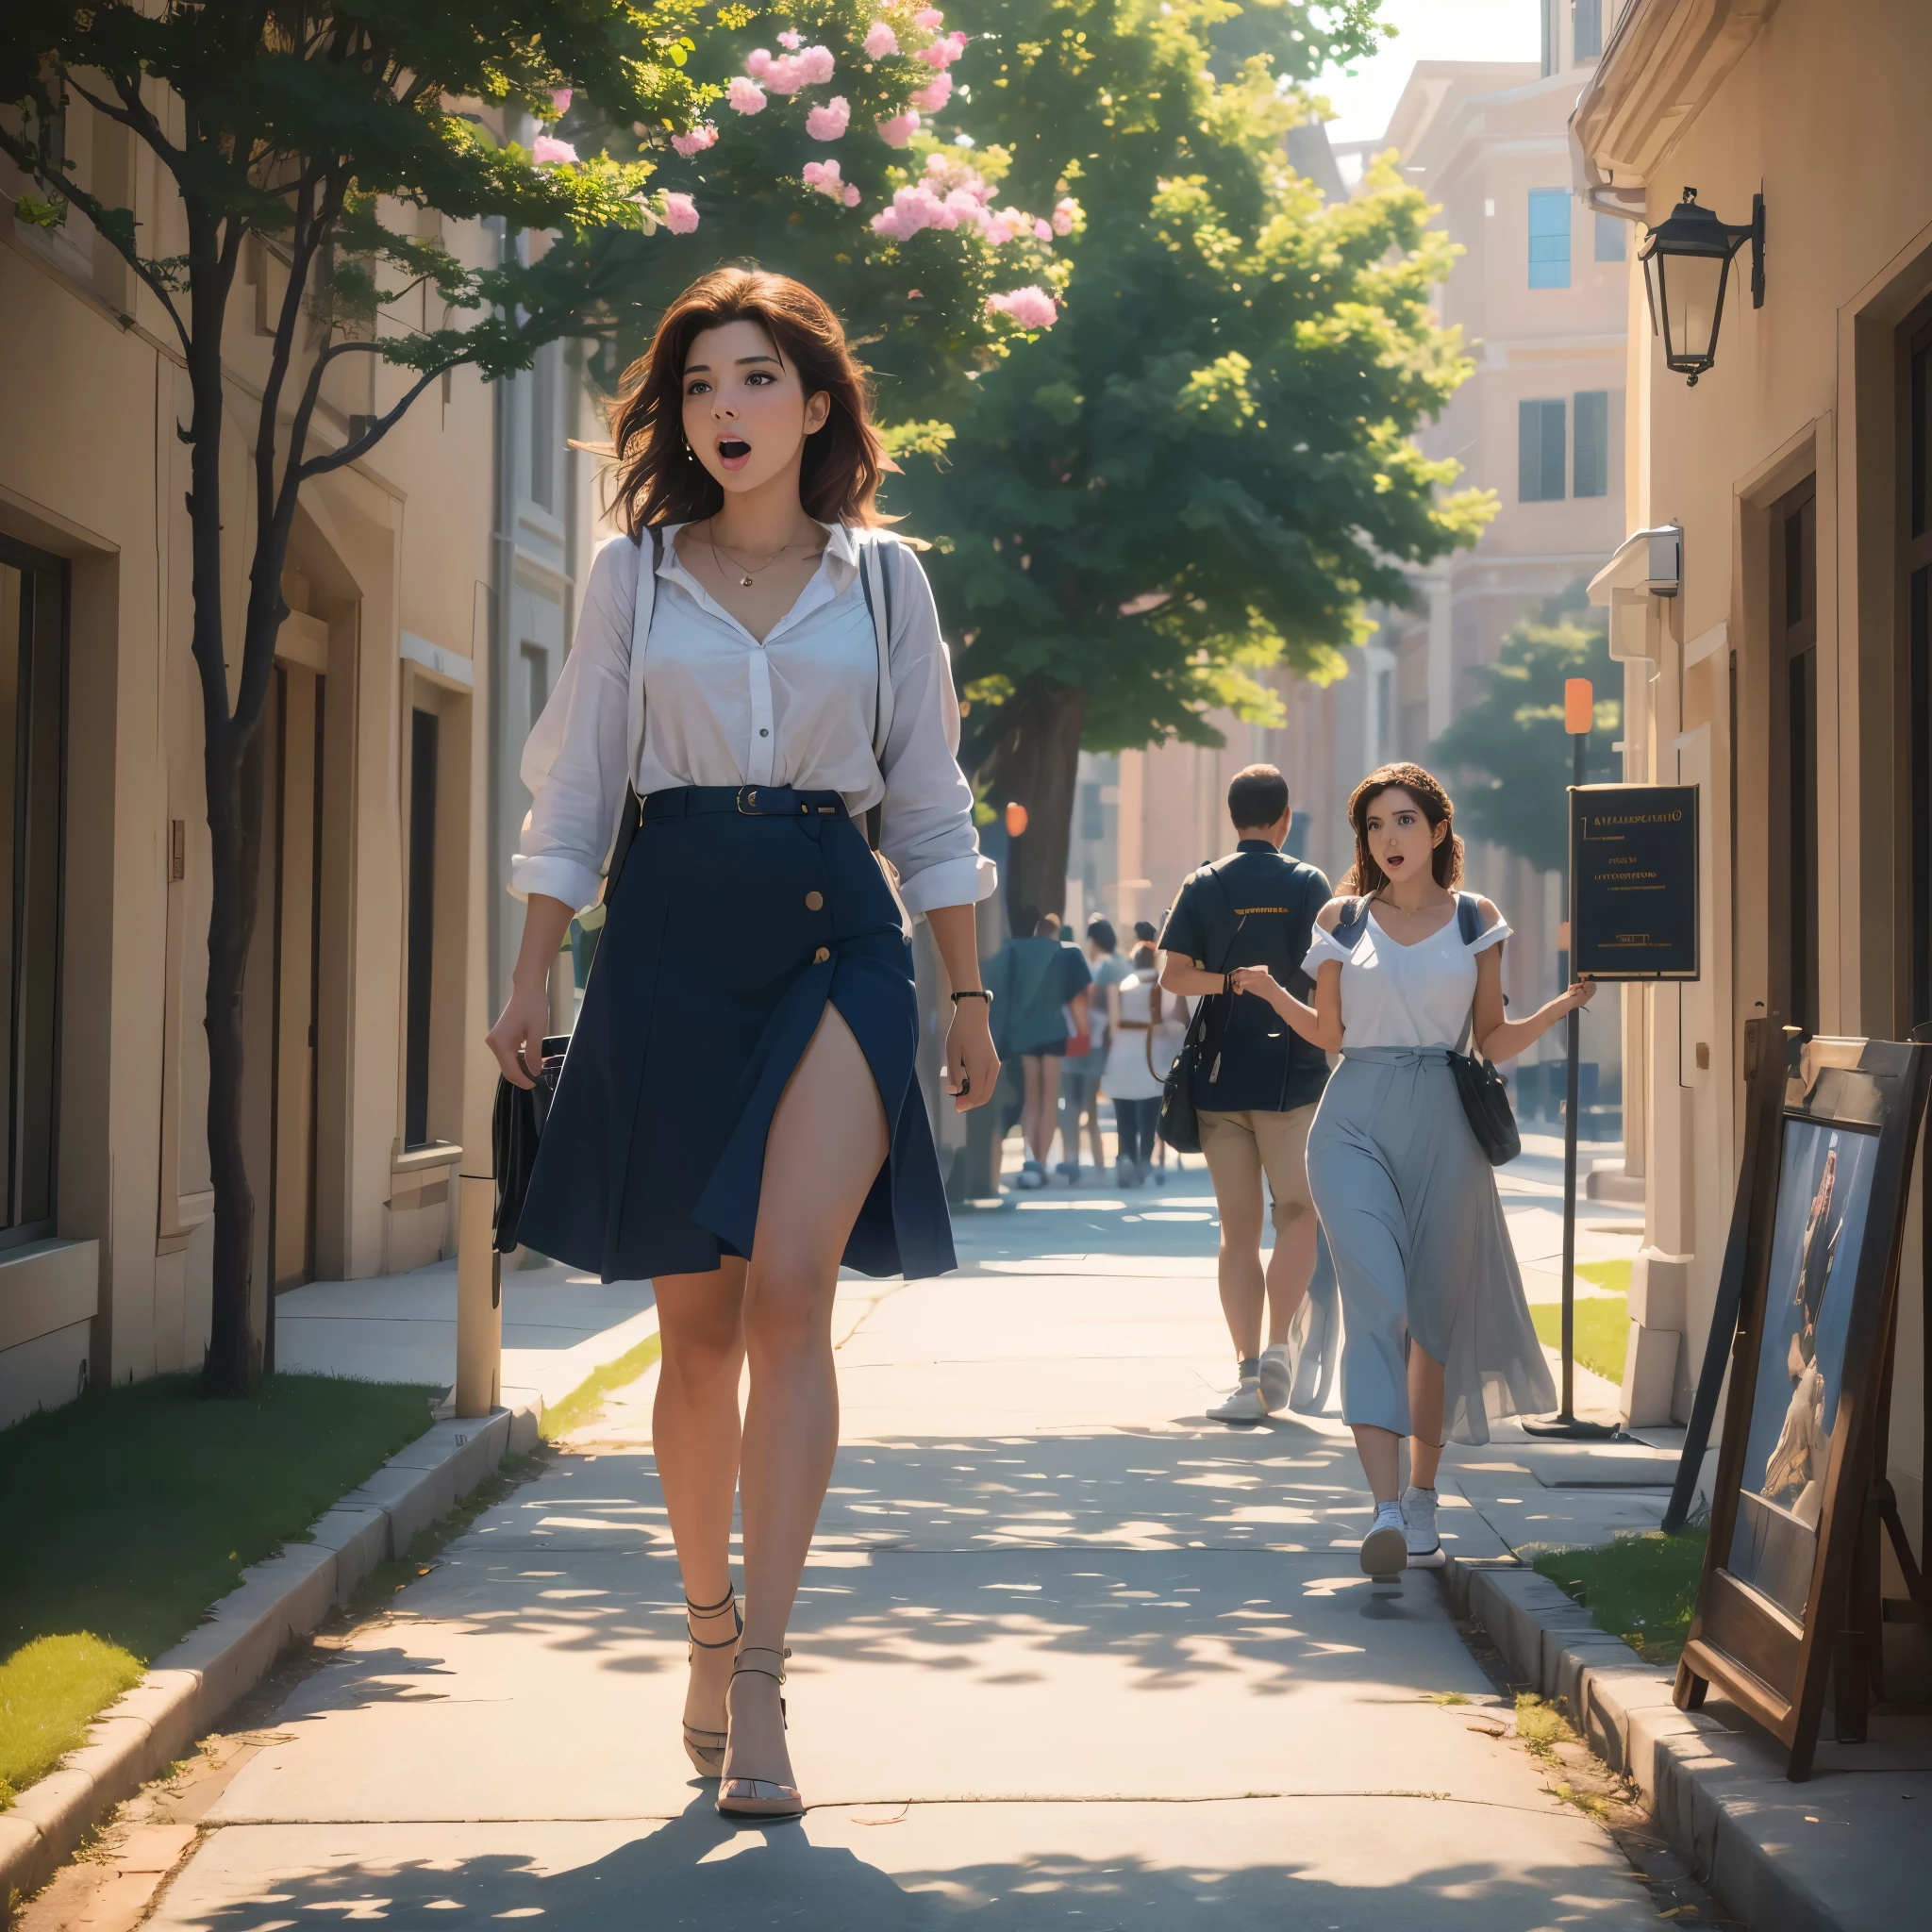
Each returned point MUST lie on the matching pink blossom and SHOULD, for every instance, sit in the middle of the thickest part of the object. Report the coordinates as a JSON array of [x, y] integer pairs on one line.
[[996, 229], [942, 52], [900, 128], [682, 215], [697, 141], [757, 63], [934, 95], [548, 151], [789, 38], [851, 196], [824, 175], [1065, 214], [1030, 307], [815, 66], [829, 122], [880, 40], [1041, 232], [560, 100], [745, 96], [930, 18]]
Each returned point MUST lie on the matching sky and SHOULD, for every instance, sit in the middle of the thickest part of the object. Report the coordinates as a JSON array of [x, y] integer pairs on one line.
[[1429, 30]]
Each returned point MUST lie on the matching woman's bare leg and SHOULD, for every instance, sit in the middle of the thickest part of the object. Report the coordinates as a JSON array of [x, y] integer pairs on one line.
[[1381, 1452], [1029, 1105], [1425, 1418], [827, 1146], [694, 1437]]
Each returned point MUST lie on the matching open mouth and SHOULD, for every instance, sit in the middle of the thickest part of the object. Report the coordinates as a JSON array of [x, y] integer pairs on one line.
[[1394, 862], [733, 452]]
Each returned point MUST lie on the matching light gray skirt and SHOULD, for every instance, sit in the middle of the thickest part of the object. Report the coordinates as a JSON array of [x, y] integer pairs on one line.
[[1421, 1248]]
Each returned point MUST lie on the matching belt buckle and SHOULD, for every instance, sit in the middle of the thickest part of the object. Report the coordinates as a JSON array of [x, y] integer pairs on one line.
[[748, 801]]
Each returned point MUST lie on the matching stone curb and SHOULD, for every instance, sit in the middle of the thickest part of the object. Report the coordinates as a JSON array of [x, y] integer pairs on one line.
[[189, 1687], [1701, 1798]]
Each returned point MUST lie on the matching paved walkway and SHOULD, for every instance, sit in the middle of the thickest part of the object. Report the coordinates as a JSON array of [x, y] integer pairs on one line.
[[1066, 1656]]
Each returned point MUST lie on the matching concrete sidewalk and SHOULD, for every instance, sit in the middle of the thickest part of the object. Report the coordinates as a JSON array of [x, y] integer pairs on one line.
[[560, 1325], [1064, 1650]]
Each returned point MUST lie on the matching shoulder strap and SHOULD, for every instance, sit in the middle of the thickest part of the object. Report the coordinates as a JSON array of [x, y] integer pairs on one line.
[[1348, 927], [1467, 917], [644, 605], [875, 580]]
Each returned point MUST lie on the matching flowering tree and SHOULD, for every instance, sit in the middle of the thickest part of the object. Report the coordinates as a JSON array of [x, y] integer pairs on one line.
[[1203, 470], [321, 126], [822, 159]]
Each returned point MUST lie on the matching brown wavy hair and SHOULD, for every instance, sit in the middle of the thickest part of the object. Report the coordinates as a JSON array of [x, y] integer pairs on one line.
[[659, 478], [1368, 878]]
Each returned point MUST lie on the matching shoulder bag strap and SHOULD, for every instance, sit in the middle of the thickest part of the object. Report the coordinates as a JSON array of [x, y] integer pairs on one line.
[[643, 606], [875, 582]]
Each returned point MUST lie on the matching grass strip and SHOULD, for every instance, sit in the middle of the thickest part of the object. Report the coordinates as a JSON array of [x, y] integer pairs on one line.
[[1603, 1330], [1641, 1588], [126, 1514], [584, 1401], [49, 1692]]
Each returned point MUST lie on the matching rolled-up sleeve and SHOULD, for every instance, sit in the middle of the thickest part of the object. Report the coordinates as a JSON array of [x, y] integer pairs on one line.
[[574, 762], [926, 827]]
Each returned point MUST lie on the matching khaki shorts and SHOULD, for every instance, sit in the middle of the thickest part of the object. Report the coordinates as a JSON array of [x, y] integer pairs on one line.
[[1276, 1145]]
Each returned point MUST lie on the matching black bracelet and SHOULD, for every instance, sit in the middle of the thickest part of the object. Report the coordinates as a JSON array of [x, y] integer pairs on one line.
[[975, 992]]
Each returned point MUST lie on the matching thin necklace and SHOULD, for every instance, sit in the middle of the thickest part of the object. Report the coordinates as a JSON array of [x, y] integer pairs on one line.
[[746, 573]]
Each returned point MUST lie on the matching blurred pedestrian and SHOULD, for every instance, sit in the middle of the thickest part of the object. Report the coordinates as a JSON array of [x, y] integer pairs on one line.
[[1257, 1086], [1080, 1077], [1145, 1031], [1040, 1000], [738, 1113], [1437, 1338]]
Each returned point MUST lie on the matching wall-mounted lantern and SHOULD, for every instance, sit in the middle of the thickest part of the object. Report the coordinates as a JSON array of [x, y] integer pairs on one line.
[[1687, 263]]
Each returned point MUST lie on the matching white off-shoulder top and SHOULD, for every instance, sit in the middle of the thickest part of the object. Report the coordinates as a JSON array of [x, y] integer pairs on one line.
[[1396, 995]]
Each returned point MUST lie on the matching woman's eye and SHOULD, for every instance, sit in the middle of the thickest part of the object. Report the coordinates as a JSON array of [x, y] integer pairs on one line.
[[698, 389], [762, 378]]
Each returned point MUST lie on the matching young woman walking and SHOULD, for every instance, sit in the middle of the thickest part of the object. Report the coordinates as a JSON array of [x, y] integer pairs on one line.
[[1404, 972], [737, 1112], [1146, 1030]]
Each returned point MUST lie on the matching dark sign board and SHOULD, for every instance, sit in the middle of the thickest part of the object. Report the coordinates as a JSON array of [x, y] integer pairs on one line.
[[1633, 881]]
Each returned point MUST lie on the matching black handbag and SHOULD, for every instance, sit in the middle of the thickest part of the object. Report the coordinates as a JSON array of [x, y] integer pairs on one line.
[[516, 1126], [1483, 1091], [1180, 1120]]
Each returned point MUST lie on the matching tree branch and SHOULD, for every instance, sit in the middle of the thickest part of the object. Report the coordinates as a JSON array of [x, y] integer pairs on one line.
[[360, 446]]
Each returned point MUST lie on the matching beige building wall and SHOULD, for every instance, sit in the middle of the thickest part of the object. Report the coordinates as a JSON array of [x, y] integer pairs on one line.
[[387, 583], [1824, 115]]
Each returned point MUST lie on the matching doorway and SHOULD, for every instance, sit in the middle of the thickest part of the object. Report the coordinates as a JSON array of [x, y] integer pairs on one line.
[[1793, 843], [280, 999]]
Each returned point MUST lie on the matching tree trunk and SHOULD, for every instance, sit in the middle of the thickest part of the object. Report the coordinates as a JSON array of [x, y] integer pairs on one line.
[[1034, 765]]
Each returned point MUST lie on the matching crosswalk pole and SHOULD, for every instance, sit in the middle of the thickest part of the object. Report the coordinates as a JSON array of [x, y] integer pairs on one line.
[[479, 1299]]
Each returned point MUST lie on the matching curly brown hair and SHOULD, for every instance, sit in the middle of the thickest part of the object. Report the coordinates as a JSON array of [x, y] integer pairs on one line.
[[1365, 876], [659, 480]]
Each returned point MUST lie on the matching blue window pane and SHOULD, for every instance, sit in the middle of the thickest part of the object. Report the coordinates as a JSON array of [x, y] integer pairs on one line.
[[1592, 443], [1539, 452], [1587, 29], [1609, 238], [1549, 238]]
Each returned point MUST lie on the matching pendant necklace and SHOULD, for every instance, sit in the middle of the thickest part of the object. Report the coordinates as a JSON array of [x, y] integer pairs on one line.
[[746, 572]]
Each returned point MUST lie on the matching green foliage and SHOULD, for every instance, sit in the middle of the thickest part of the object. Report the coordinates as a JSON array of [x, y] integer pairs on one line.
[[50, 1690], [1202, 471], [1513, 735]]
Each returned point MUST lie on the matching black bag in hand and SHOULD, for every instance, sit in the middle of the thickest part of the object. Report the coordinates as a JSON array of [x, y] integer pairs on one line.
[[516, 1126]]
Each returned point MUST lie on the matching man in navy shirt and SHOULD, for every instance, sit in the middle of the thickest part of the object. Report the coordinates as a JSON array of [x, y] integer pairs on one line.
[[1257, 1082]]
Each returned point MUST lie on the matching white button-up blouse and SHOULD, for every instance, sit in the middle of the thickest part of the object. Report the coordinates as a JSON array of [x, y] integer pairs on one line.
[[722, 709]]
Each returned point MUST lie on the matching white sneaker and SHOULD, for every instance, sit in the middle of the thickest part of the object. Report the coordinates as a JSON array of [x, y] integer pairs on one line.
[[1277, 1377], [1419, 1527], [1385, 1551], [1244, 1406]]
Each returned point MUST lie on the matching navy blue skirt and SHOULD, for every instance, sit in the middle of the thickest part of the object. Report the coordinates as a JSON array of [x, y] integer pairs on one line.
[[726, 937]]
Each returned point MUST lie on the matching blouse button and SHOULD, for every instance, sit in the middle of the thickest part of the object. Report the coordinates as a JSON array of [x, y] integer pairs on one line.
[[763, 732], [823, 954], [814, 902]]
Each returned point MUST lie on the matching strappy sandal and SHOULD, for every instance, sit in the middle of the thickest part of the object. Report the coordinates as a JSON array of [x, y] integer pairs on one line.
[[760, 1797], [705, 1749]]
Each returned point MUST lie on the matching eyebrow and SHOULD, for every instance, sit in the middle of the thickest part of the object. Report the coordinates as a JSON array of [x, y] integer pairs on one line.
[[705, 368]]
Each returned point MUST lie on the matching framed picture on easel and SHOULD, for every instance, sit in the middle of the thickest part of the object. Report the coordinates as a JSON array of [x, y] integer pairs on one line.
[[1796, 1465]]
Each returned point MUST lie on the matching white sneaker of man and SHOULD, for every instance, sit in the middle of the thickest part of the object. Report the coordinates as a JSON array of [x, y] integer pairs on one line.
[[1277, 1377], [1419, 1527], [1244, 1406]]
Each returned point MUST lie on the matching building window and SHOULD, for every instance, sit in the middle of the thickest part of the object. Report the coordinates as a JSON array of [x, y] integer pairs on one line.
[[1609, 238], [1551, 34], [1585, 29], [1592, 477], [543, 433], [1092, 816], [1539, 452], [1549, 238], [422, 927], [1794, 750], [33, 699], [537, 681]]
